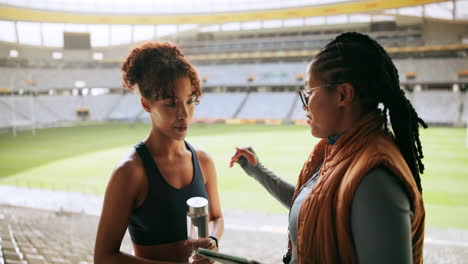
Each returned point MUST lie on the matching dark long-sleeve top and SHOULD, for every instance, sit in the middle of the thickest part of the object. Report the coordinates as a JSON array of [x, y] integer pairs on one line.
[[380, 214]]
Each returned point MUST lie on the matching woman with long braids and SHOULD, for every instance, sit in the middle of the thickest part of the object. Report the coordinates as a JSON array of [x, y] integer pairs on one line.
[[358, 197]]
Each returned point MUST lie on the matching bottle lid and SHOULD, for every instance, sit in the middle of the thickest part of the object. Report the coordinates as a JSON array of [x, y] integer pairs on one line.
[[197, 206]]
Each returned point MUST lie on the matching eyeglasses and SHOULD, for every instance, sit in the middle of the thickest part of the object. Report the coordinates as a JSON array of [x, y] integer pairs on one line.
[[305, 93]]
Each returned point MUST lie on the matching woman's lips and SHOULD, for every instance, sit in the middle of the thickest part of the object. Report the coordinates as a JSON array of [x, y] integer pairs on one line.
[[181, 128]]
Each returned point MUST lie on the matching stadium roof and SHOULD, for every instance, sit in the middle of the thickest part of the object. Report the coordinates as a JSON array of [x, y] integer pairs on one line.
[[211, 11], [152, 7], [115, 22]]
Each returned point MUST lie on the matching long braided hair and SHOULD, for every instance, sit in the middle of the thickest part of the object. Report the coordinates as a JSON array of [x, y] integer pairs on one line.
[[359, 60]]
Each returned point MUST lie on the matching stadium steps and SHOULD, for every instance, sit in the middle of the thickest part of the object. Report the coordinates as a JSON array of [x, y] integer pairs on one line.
[[241, 105], [41, 242], [10, 252]]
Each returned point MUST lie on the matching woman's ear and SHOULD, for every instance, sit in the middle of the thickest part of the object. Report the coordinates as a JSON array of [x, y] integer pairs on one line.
[[145, 104], [346, 93]]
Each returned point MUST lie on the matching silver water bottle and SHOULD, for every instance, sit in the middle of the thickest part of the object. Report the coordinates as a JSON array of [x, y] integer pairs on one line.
[[197, 218]]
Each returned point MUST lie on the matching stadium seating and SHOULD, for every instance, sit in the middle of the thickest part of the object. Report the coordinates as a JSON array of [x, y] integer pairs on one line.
[[292, 41], [101, 106], [264, 74], [440, 107], [37, 236], [219, 105], [298, 113], [63, 106], [15, 111], [465, 109], [437, 107], [45, 78], [427, 70], [431, 70], [127, 109], [53, 237], [267, 105]]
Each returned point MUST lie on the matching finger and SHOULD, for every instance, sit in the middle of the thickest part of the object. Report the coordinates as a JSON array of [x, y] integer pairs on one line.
[[245, 151], [202, 243], [232, 163], [251, 158], [249, 155], [201, 260], [213, 246], [235, 158]]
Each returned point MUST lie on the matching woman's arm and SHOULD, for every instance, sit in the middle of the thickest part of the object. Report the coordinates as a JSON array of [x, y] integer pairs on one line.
[[120, 199], [282, 190], [216, 225], [381, 220]]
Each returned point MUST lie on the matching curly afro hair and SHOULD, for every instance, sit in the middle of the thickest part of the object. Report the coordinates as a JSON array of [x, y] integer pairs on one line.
[[153, 67]]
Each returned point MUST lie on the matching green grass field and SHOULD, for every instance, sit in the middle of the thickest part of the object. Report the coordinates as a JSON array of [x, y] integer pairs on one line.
[[81, 158]]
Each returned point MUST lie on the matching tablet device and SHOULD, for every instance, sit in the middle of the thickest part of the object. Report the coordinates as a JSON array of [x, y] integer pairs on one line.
[[224, 258]]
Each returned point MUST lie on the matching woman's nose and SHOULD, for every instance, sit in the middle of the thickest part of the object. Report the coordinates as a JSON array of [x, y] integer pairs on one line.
[[182, 112]]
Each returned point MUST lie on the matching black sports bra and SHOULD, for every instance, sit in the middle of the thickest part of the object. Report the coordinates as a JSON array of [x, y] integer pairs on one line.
[[162, 217]]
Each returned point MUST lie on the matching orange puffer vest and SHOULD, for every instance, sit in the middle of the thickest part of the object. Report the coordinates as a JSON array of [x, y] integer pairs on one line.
[[324, 226]]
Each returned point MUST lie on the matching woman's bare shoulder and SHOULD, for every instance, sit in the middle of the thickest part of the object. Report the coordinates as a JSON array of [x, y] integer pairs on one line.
[[129, 171], [207, 166], [203, 156]]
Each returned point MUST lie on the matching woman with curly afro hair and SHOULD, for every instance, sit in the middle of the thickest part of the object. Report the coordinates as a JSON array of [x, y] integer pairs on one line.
[[148, 189]]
